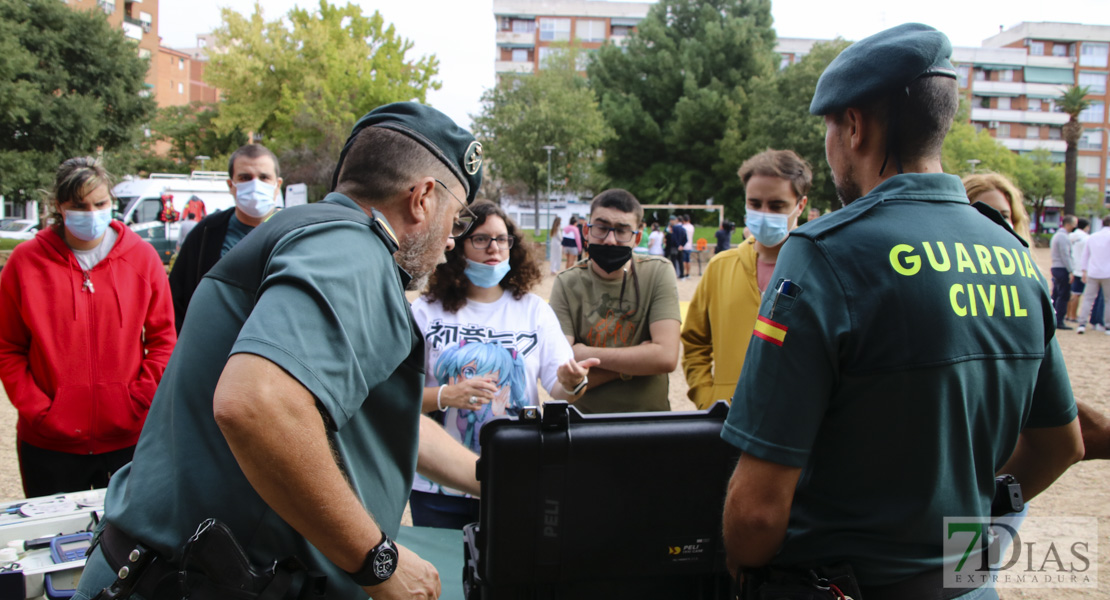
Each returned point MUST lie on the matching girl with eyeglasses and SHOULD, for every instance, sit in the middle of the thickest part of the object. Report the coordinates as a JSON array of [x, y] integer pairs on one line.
[[488, 341]]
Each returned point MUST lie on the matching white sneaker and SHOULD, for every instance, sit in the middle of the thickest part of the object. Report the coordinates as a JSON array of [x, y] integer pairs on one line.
[[1081, 329], [1100, 327]]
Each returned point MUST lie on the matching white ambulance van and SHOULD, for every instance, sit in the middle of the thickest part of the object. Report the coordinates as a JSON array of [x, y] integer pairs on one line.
[[140, 203]]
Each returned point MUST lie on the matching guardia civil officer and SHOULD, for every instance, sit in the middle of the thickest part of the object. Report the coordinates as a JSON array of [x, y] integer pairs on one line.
[[290, 411], [903, 356]]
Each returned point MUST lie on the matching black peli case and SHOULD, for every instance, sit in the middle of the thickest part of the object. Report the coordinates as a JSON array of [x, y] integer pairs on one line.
[[601, 506]]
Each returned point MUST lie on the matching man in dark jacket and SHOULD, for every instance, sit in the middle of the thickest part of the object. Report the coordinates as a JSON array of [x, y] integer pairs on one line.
[[255, 182]]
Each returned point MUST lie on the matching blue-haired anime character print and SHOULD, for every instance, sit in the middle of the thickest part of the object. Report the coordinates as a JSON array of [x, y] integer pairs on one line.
[[504, 366]]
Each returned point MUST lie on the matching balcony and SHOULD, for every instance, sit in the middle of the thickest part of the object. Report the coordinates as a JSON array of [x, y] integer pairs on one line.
[[508, 66], [132, 30], [1011, 88], [1018, 116], [510, 39], [1028, 145]]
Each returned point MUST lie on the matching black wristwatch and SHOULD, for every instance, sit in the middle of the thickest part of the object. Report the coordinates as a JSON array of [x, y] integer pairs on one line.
[[381, 562]]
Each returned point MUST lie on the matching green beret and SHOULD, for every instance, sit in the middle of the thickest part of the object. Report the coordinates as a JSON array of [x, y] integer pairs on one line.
[[454, 146], [880, 64]]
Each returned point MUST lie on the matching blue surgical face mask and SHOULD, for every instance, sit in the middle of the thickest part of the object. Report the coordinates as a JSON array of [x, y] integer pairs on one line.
[[486, 276], [769, 229], [88, 225], [255, 197]]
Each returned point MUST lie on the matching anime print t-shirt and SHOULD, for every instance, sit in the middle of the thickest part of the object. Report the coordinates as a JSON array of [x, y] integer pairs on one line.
[[513, 342]]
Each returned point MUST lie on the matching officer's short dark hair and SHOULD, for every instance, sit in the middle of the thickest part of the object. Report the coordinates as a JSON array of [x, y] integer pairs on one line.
[[783, 164], [252, 151], [918, 119], [383, 163], [1082, 223], [621, 200], [1106, 221]]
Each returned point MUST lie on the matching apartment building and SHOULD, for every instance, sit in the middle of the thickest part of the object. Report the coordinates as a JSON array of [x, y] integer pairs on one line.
[[528, 29], [139, 22], [1013, 80], [176, 77]]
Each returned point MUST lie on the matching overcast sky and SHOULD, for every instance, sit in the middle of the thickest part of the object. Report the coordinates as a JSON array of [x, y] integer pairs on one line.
[[461, 32]]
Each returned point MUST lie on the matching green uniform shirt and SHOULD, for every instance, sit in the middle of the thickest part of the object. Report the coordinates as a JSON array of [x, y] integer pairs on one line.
[[316, 291], [618, 314], [912, 344]]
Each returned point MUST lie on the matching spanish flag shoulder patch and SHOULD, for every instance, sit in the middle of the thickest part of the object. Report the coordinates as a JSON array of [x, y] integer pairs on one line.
[[770, 331]]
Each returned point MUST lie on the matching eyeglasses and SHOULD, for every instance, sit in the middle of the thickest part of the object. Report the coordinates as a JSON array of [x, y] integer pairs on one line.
[[621, 234], [464, 219], [482, 241]]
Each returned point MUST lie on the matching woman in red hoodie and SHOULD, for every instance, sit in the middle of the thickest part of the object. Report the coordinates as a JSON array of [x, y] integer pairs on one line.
[[86, 329]]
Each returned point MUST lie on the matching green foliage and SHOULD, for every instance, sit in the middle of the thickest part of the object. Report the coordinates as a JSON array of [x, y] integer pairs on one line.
[[676, 90], [780, 112], [191, 132], [1039, 179], [69, 86], [1074, 101], [964, 143], [554, 107], [301, 83]]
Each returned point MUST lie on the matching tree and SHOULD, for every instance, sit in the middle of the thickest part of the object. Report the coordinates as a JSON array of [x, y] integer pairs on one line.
[[190, 132], [301, 85], [676, 89], [554, 107], [1073, 102], [780, 114], [69, 86], [1040, 180]]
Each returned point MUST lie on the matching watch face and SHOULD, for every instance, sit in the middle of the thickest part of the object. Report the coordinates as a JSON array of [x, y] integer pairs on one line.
[[385, 563]]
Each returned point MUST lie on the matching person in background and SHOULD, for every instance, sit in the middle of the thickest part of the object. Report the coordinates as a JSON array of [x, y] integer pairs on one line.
[[674, 241], [724, 237], [814, 212], [1001, 194], [689, 246], [1078, 239], [487, 340], [655, 241], [724, 308], [1094, 269], [622, 309], [583, 238], [255, 182], [554, 245], [1063, 270], [572, 243], [86, 330]]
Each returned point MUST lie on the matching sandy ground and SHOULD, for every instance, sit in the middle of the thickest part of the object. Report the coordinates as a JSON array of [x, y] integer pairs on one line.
[[1083, 491]]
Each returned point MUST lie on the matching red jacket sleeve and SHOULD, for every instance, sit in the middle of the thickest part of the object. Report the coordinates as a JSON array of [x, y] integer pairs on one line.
[[15, 344], [159, 334]]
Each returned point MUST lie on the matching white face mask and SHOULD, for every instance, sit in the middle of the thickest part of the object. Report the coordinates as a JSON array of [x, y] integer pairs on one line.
[[255, 197]]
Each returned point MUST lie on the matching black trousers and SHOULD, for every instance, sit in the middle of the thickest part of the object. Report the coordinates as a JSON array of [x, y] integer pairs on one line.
[[1061, 293], [48, 472]]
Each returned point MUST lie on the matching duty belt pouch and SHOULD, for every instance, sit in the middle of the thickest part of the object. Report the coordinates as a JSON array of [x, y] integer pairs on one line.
[[833, 582], [214, 566]]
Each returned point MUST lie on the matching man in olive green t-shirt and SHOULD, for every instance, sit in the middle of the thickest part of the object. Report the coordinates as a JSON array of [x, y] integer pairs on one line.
[[622, 310]]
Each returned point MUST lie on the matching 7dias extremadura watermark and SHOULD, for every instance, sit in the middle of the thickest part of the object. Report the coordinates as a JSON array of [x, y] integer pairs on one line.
[[1020, 552]]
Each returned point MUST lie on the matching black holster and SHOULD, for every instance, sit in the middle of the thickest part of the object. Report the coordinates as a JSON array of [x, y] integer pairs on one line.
[[213, 566]]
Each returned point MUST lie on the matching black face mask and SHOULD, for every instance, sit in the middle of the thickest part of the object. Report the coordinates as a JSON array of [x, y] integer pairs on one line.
[[609, 258]]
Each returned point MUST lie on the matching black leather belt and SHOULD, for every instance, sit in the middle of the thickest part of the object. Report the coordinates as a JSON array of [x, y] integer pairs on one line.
[[139, 569]]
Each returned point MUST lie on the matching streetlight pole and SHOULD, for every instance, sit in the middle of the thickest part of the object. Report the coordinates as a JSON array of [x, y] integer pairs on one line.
[[549, 149], [973, 162]]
